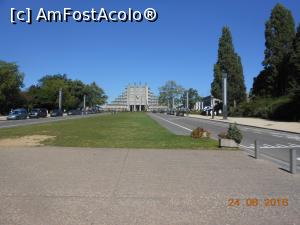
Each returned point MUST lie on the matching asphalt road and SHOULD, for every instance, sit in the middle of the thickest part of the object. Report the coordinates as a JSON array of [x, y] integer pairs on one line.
[[17, 123], [274, 145]]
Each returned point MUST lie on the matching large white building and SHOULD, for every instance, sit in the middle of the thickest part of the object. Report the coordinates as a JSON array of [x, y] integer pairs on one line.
[[135, 98]]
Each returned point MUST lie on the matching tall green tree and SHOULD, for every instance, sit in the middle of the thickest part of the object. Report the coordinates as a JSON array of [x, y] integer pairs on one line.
[[95, 95], [11, 81], [216, 85], [294, 80], [279, 35], [171, 90], [46, 92], [229, 62], [193, 97]]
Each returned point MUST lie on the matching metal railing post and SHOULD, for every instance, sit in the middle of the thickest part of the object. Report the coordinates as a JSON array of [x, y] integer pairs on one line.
[[256, 149], [293, 161]]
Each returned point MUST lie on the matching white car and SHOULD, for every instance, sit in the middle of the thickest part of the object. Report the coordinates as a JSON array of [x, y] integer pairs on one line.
[[207, 108]]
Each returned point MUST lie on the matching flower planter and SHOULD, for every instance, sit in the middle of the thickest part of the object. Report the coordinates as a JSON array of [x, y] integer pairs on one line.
[[227, 143]]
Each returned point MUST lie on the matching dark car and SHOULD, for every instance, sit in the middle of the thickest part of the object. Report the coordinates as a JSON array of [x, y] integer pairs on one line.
[[181, 112], [17, 114], [56, 112], [38, 113], [171, 112], [75, 112]]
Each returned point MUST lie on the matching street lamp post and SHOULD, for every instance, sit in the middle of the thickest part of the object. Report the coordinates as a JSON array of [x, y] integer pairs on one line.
[[60, 99], [173, 102], [187, 100], [212, 107], [224, 77], [84, 107]]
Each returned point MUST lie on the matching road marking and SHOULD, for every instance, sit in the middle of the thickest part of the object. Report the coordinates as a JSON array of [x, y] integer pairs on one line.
[[281, 146], [266, 146], [276, 135], [293, 145], [298, 158], [243, 146], [174, 123], [293, 137]]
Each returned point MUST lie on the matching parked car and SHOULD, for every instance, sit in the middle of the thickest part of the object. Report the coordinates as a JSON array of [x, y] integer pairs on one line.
[[74, 112], [91, 111], [56, 112], [171, 112], [38, 113], [181, 111], [17, 114], [207, 108]]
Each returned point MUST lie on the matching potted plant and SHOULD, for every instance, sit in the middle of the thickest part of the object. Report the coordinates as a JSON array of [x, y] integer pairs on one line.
[[232, 138]]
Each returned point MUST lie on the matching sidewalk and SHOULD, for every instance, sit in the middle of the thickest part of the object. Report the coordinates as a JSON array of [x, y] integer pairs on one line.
[[293, 127], [67, 186]]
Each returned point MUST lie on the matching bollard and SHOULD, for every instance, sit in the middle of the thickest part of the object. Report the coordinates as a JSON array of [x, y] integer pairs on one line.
[[293, 161], [256, 149]]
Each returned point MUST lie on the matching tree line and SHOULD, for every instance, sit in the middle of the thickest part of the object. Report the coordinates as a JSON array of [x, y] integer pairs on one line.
[[228, 62], [45, 92], [275, 93], [281, 73], [172, 94]]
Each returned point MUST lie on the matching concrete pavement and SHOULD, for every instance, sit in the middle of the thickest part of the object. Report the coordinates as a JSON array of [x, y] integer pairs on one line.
[[50, 185], [293, 127]]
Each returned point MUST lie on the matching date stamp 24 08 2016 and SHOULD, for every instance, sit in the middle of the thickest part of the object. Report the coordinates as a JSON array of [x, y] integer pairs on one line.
[[253, 202]]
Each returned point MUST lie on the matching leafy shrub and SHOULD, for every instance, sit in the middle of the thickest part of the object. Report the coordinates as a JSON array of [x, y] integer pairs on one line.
[[200, 133], [286, 108], [203, 113], [287, 111], [234, 133], [195, 112]]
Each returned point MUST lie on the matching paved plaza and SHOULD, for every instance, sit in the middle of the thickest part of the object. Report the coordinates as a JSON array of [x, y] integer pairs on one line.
[[51, 185]]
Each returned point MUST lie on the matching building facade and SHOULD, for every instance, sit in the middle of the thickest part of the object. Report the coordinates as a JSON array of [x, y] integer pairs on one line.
[[135, 98], [207, 103]]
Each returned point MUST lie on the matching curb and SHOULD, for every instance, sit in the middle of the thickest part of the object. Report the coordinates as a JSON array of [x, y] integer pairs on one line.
[[246, 125]]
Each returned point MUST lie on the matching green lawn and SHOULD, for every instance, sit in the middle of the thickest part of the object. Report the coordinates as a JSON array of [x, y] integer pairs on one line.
[[123, 130]]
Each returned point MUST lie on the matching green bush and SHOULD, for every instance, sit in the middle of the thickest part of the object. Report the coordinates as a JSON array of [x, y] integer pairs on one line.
[[289, 111], [234, 133], [285, 108], [195, 112]]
